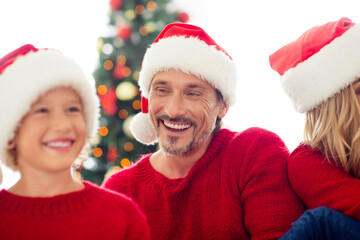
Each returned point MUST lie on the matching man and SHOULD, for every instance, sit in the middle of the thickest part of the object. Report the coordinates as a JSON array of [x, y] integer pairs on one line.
[[203, 182]]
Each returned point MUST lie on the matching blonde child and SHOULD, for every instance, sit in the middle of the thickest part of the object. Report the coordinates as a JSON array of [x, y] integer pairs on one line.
[[320, 73], [49, 112]]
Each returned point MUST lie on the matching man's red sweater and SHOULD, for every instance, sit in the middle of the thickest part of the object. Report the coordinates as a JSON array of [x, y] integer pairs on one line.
[[238, 190], [320, 182], [91, 213]]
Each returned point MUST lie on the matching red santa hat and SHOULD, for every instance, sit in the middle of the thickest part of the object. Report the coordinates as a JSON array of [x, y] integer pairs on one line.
[[321, 62], [189, 49], [26, 74]]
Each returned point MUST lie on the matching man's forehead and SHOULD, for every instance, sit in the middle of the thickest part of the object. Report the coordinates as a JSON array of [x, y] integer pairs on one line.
[[191, 81]]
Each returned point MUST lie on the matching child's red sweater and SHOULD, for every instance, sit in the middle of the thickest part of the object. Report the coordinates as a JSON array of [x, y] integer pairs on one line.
[[238, 190], [319, 182], [91, 213]]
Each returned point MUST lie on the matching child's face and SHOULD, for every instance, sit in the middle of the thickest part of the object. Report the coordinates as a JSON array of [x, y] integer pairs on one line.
[[52, 133]]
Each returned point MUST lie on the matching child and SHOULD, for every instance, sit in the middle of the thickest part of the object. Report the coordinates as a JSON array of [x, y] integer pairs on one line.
[[320, 73], [49, 112]]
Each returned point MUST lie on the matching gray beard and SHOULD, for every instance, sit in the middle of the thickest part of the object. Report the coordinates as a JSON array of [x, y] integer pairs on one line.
[[171, 150]]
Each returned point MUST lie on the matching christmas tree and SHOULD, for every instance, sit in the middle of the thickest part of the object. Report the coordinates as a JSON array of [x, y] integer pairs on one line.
[[133, 25]]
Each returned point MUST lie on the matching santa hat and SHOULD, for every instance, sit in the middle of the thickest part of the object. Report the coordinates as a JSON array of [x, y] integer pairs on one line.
[[321, 62], [189, 49], [26, 74]]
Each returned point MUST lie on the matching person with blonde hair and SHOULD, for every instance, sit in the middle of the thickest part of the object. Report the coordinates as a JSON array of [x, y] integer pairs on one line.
[[49, 112], [320, 71]]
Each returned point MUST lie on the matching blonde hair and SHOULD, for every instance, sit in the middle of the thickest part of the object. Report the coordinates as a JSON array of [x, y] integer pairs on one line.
[[334, 128]]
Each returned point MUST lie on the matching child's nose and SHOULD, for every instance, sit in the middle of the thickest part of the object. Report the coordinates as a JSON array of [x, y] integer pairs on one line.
[[61, 122]]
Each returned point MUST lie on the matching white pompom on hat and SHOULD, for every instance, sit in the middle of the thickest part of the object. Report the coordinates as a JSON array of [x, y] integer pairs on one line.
[[320, 63], [29, 72], [189, 49]]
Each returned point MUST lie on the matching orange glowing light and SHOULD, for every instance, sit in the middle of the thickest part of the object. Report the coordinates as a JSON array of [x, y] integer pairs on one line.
[[121, 60], [126, 71], [136, 104], [125, 162], [123, 114], [108, 65], [128, 146], [143, 31], [102, 90], [151, 6], [139, 9], [103, 131], [97, 152]]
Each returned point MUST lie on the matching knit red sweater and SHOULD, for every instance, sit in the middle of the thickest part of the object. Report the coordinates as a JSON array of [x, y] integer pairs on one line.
[[238, 190], [319, 182], [91, 213]]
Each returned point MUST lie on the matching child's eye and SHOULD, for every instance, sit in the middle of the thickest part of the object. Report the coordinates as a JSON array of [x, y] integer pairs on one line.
[[74, 109]]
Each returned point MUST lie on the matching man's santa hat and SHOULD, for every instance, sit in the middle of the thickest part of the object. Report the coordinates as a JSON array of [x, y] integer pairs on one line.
[[189, 49], [320, 63], [26, 74]]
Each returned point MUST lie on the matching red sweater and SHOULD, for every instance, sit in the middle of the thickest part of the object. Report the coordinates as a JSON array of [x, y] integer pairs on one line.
[[91, 213], [319, 182], [238, 190]]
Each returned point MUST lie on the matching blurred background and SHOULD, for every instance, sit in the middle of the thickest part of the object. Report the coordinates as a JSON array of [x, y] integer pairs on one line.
[[109, 37]]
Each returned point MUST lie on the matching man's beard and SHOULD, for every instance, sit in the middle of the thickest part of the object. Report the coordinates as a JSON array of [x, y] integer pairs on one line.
[[169, 145]]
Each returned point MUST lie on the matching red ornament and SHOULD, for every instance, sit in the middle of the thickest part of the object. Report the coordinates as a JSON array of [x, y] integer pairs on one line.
[[124, 33], [183, 17], [108, 102], [112, 153], [116, 4], [117, 72]]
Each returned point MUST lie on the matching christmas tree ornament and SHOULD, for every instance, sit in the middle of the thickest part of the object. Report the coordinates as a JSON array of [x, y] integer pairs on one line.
[[108, 102], [130, 14], [183, 17], [107, 48], [126, 91], [321, 62], [124, 33], [112, 153], [116, 4]]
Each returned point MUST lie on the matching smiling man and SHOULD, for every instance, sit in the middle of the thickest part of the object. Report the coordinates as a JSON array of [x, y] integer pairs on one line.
[[204, 182]]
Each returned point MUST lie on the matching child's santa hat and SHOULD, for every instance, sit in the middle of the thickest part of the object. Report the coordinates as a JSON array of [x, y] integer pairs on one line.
[[321, 62], [26, 74], [189, 49]]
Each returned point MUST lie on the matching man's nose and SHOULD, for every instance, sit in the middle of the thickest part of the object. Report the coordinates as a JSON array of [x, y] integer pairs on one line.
[[175, 106]]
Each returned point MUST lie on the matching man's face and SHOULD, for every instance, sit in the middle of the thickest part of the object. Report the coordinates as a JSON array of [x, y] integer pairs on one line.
[[183, 109]]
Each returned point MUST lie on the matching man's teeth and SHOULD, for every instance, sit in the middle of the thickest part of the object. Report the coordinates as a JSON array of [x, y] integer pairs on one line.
[[177, 126], [58, 144]]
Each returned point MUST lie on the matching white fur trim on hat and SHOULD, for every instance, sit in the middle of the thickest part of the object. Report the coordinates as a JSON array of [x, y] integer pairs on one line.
[[192, 56], [32, 75], [325, 73], [143, 129]]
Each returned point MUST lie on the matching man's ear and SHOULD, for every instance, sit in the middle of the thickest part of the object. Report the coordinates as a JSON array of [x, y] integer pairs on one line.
[[222, 110]]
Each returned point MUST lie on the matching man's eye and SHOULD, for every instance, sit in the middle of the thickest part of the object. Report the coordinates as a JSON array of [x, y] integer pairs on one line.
[[195, 94], [41, 110], [161, 90]]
